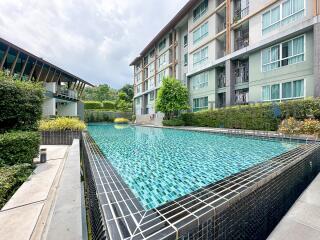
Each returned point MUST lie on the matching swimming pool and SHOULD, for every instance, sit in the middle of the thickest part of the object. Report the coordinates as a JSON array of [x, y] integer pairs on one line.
[[161, 165]]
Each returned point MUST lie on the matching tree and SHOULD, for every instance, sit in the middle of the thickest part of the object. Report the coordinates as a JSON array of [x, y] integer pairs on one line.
[[172, 97], [128, 90], [100, 93]]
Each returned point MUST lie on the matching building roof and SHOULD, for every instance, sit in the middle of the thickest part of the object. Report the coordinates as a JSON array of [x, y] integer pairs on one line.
[[11, 45], [173, 22]]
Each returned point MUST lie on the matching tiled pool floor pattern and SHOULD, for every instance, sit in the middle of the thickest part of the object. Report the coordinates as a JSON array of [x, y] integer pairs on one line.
[[126, 218], [161, 165]]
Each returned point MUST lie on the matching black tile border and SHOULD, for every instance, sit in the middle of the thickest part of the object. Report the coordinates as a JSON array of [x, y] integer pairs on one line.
[[125, 217]]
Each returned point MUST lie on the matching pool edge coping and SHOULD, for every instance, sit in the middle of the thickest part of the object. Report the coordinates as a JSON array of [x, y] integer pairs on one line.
[[264, 178]]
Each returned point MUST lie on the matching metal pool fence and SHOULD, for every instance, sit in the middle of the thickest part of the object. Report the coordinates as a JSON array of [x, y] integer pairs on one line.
[[59, 137]]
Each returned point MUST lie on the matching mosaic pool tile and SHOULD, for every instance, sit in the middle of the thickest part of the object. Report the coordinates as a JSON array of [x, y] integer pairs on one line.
[[161, 165]]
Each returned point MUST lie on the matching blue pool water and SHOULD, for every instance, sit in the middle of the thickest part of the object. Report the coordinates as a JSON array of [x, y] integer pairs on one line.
[[160, 165]]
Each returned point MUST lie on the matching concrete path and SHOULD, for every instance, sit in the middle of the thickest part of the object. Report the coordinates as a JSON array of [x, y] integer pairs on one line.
[[303, 219], [28, 213]]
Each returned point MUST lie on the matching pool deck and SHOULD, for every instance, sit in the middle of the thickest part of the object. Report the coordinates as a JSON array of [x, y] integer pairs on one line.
[[303, 219], [48, 204]]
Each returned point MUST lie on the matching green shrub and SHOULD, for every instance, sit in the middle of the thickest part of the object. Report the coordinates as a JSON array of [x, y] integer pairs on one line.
[[18, 147], [104, 116], [21, 104], [256, 117], [173, 122], [11, 178], [263, 116], [108, 105], [62, 124], [92, 105]]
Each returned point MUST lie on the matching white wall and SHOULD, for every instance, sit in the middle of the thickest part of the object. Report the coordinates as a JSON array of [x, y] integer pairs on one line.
[[49, 107], [67, 109], [51, 87]]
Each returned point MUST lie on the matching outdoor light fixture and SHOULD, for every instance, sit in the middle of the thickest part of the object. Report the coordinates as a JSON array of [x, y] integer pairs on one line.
[[43, 155]]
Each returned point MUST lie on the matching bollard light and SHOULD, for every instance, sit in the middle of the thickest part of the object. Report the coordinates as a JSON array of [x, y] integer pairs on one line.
[[43, 155]]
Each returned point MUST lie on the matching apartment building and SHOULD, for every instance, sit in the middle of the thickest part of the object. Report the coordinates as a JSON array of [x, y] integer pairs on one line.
[[233, 52], [63, 89]]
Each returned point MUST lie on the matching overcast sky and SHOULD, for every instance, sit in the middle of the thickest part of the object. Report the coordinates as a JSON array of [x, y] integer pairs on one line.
[[93, 39]]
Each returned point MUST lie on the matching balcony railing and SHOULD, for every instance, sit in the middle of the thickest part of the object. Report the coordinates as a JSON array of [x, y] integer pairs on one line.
[[241, 97], [66, 93], [240, 13], [242, 74], [219, 2], [242, 41], [222, 80]]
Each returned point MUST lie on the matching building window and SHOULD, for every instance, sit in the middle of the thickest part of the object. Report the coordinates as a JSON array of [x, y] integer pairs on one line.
[[139, 88], [185, 40], [200, 104], [138, 77], [200, 57], [186, 59], [138, 101], [200, 10], [185, 79], [200, 81], [151, 96], [161, 76], [151, 69], [285, 13], [283, 54], [152, 54], [162, 44], [162, 60], [200, 33], [271, 20], [284, 91]]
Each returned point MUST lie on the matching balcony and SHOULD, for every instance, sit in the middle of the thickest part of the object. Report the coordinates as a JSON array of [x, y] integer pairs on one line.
[[241, 71], [219, 2], [221, 79], [242, 97], [221, 100], [221, 27], [241, 9], [66, 94], [241, 37]]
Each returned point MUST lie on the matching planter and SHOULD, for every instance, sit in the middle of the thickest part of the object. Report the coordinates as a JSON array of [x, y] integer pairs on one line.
[[59, 137]]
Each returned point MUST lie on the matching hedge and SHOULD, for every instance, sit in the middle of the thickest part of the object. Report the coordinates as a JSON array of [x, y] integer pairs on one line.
[[18, 147], [104, 116], [108, 105], [11, 178], [21, 104], [173, 122], [92, 105], [263, 116]]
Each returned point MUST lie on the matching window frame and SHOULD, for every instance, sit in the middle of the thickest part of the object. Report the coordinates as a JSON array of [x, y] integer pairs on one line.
[[280, 54], [201, 36], [202, 60], [263, 30], [281, 98], [198, 109], [185, 59], [201, 82], [185, 40], [203, 12]]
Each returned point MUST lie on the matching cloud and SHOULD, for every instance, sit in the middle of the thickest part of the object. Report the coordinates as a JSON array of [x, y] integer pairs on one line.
[[93, 39]]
